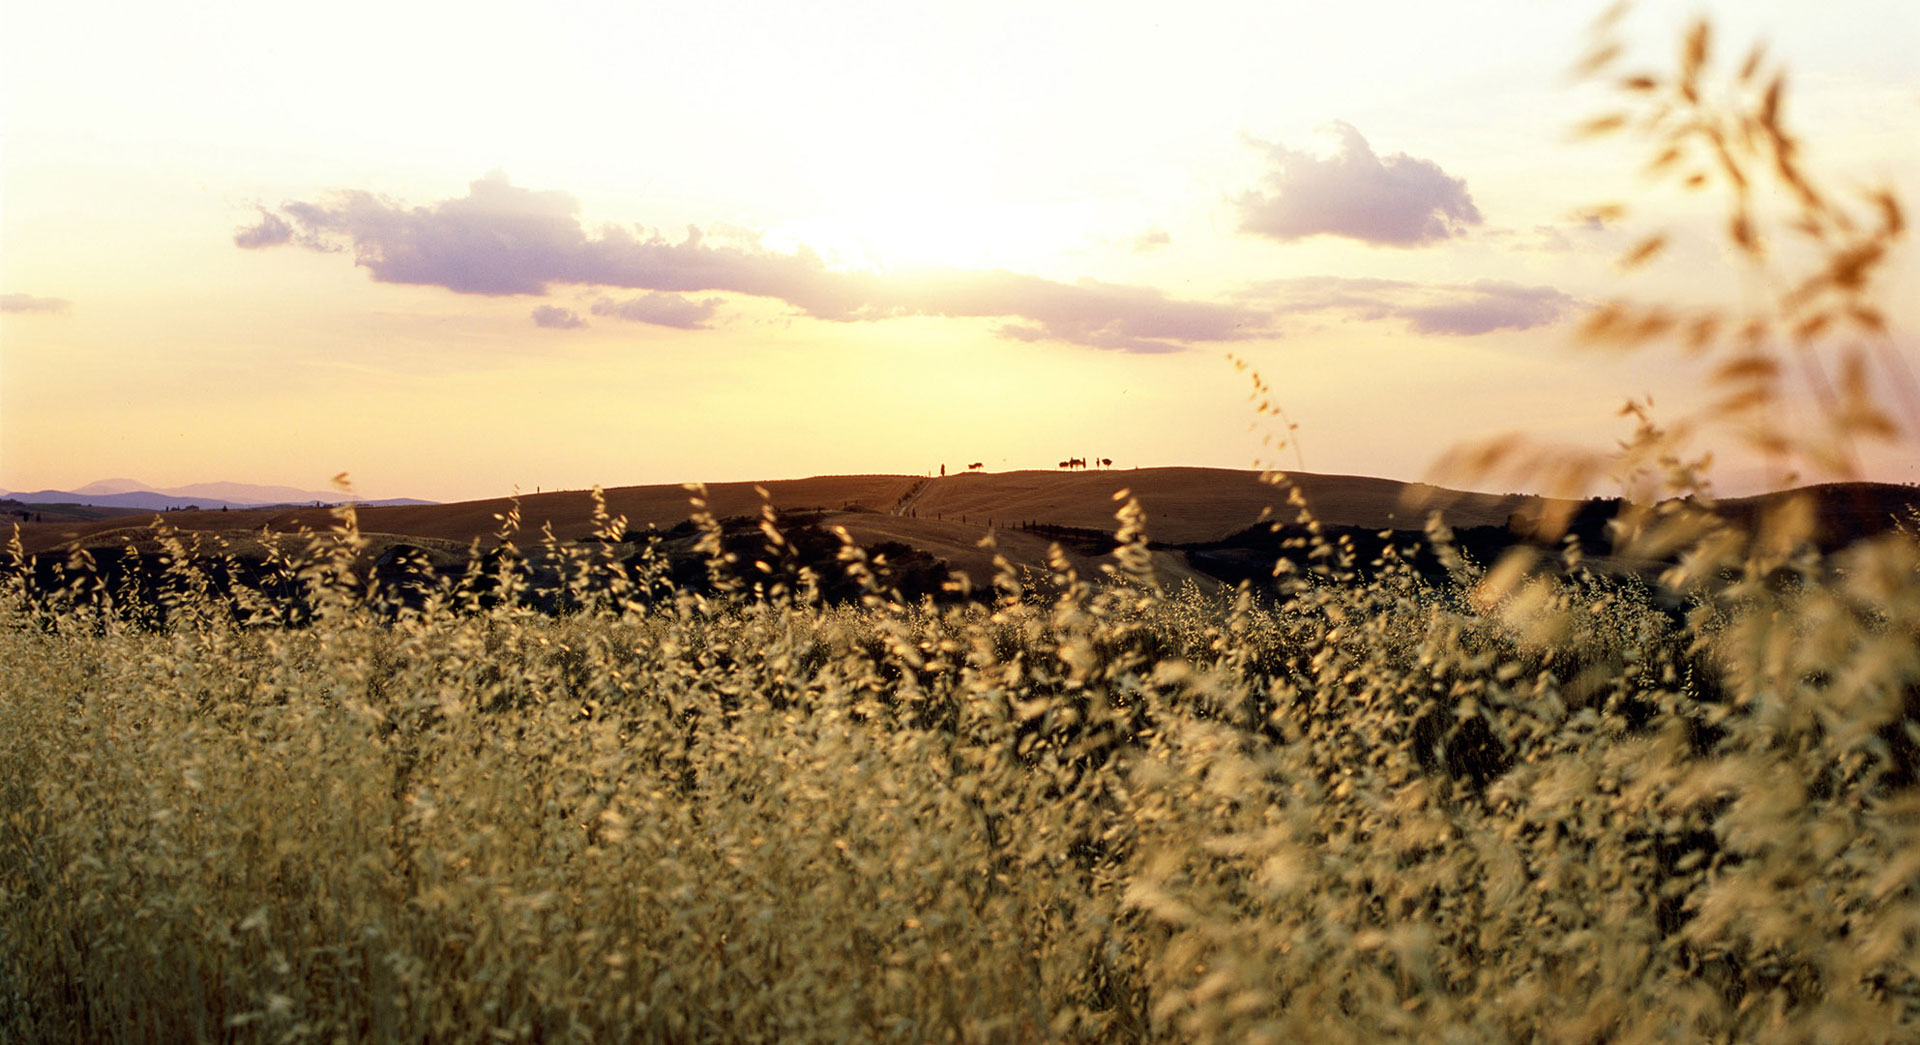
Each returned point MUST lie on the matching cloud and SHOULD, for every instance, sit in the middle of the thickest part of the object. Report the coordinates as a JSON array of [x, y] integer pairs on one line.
[[554, 317], [1486, 306], [1455, 309], [30, 303], [1087, 312], [1550, 239], [500, 239], [1398, 201], [1151, 240], [662, 310], [270, 231], [1583, 231]]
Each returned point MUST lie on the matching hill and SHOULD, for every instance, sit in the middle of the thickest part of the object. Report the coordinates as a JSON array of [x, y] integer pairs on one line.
[[1204, 522], [1183, 505], [14, 511], [1190, 505]]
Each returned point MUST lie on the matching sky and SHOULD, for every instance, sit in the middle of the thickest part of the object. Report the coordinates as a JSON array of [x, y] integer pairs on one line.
[[455, 250]]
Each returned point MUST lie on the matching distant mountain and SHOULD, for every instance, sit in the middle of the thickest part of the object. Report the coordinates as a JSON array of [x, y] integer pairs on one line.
[[107, 486], [250, 493], [131, 493], [149, 500]]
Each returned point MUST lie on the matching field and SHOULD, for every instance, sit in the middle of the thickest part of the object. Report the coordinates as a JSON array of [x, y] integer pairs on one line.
[[1185, 505], [1361, 806], [1206, 523], [1109, 756]]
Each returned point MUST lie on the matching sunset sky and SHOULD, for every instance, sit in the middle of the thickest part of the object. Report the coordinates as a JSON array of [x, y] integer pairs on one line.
[[452, 249]]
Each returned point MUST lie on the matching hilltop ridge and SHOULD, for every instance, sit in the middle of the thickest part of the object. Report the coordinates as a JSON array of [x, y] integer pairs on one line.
[[1205, 524]]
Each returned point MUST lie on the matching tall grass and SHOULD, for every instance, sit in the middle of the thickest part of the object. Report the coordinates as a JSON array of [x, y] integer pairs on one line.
[[1355, 810], [1360, 805]]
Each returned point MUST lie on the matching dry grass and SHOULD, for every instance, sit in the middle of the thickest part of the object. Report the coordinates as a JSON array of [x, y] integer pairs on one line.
[[1089, 809], [1088, 812]]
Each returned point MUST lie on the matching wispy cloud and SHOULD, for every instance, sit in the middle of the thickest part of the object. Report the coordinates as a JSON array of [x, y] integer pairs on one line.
[[1151, 240], [554, 317], [1458, 309], [662, 310], [1086, 312], [1582, 231], [30, 303], [1398, 201], [502, 239]]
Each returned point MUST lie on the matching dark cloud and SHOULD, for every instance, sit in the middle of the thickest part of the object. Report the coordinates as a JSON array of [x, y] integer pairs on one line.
[[1398, 201], [556, 318], [501, 239], [662, 310], [1460, 309], [30, 303]]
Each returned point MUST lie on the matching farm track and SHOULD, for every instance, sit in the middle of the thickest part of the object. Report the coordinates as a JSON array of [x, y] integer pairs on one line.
[[911, 497]]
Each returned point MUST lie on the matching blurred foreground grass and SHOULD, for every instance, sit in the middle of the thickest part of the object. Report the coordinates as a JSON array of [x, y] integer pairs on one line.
[[1361, 805]]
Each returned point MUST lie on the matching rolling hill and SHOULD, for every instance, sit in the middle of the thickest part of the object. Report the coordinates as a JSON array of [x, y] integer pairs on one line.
[[1183, 505], [1192, 513]]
